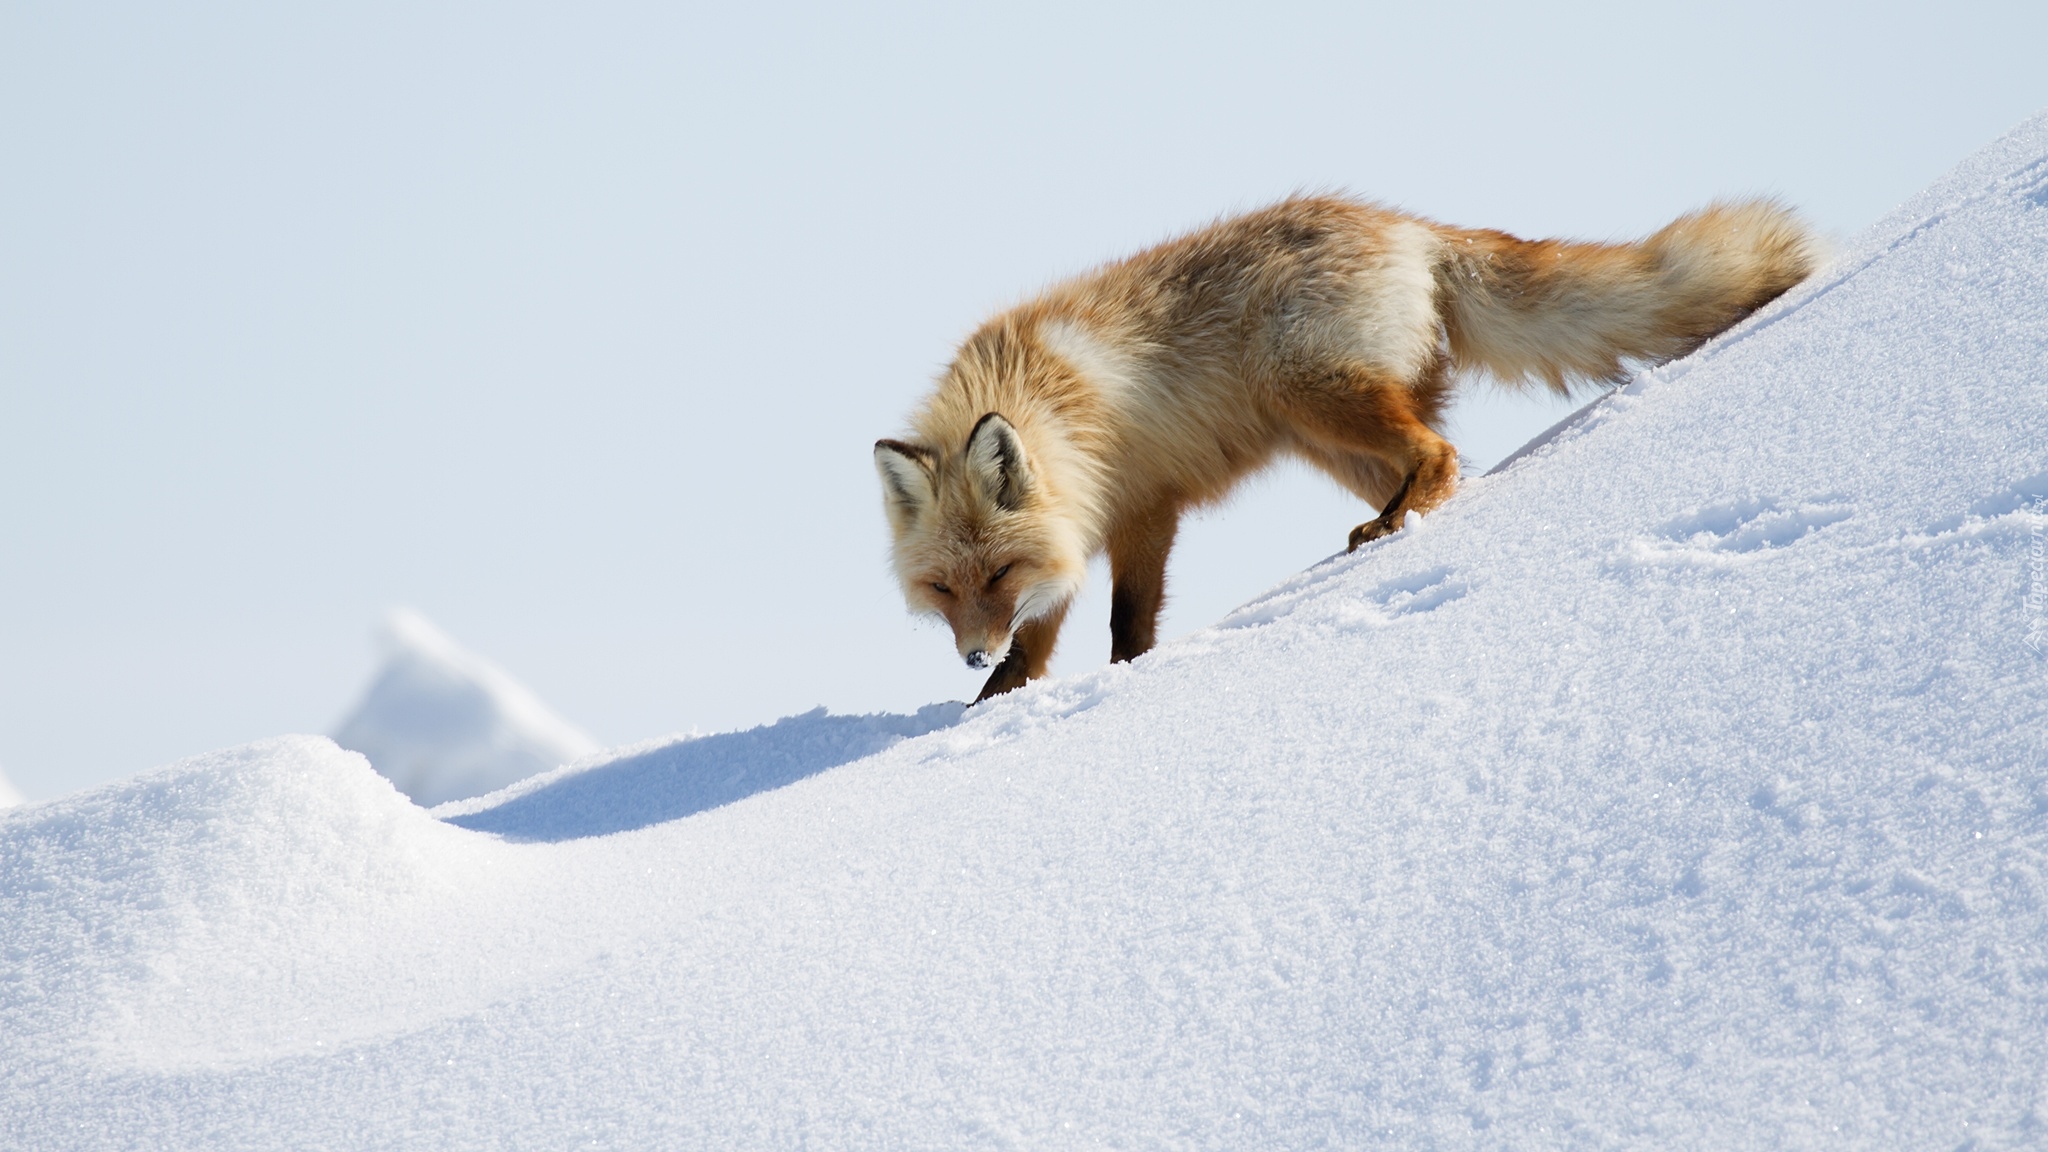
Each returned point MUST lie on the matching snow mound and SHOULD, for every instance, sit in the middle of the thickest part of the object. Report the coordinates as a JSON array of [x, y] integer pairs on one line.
[[444, 724], [1682, 785], [172, 886], [274, 898]]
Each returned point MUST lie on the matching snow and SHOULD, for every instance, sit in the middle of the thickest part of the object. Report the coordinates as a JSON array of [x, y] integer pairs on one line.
[[1682, 785], [443, 723], [9, 796]]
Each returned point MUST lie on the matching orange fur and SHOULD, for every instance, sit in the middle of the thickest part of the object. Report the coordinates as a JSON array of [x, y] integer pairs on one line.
[[1086, 420]]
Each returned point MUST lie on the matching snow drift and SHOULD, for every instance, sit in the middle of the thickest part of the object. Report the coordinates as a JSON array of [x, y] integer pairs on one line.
[[443, 723], [1684, 785]]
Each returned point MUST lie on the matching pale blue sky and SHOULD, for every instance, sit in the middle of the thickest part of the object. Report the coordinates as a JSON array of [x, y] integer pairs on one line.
[[572, 327]]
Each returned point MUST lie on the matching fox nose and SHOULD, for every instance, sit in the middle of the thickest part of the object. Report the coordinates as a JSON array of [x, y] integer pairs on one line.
[[977, 658]]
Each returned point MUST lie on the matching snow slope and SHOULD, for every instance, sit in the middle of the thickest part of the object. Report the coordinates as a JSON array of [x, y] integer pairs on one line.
[[1684, 785], [444, 723]]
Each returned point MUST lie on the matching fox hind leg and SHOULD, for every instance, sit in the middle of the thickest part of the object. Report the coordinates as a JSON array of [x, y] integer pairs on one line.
[[1389, 520], [1368, 430]]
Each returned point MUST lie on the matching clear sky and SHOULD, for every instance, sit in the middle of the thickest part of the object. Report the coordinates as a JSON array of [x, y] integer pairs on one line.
[[572, 327]]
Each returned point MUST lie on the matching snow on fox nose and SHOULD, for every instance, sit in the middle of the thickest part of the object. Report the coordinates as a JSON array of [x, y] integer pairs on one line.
[[985, 656]]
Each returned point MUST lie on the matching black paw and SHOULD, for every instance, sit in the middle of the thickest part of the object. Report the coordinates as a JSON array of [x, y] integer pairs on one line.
[[1371, 530]]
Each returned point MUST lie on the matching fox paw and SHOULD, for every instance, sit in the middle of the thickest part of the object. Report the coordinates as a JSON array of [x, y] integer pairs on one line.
[[1371, 530]]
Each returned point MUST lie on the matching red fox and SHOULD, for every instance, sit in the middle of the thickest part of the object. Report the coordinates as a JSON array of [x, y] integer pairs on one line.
[[1088, 419]]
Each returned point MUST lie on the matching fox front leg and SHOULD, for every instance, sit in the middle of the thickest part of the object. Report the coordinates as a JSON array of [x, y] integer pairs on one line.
[[1029, 656], [1137, 573], [1008, 675]]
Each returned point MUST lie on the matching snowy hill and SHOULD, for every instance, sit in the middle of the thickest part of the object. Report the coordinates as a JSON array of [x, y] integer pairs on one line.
[[443, 723], [1684, 785]]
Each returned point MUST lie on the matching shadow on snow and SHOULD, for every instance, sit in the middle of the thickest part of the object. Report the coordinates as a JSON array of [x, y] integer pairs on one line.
[[689, 776]]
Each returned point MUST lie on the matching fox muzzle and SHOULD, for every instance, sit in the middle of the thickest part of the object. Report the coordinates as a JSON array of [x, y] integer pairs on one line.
[[987, 655]]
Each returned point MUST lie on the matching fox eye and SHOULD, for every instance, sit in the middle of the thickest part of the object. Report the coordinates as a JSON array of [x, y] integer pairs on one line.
[[941, 589], [1000, 573]]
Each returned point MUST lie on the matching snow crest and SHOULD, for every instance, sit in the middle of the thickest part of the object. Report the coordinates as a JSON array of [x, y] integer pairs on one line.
[[443, 723]]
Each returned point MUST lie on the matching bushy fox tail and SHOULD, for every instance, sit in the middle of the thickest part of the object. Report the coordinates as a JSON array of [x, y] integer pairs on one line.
[[1564, 312]]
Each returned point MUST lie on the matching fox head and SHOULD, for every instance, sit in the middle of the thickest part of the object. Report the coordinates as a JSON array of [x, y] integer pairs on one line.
[[978, 536]]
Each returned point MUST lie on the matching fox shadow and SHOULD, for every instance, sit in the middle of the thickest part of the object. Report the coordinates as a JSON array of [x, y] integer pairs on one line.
[[692, 775]]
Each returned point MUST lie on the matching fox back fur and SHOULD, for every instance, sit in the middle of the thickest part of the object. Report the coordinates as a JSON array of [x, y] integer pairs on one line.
[[1088, 419]]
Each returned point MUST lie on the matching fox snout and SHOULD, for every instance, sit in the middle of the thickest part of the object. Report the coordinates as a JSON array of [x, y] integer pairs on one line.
[[984, 653]]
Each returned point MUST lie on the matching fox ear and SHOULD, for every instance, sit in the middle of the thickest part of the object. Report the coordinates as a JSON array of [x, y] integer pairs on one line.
[[995, 457], [906, 471]]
